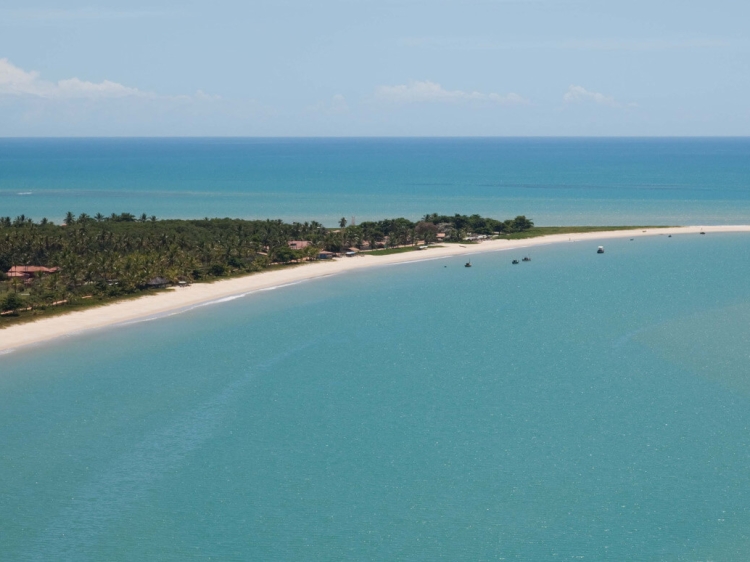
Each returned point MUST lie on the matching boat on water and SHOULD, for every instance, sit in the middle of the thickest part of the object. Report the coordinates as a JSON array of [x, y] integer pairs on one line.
[[468, 264], [514, 262], [526, 258], [600, 250]]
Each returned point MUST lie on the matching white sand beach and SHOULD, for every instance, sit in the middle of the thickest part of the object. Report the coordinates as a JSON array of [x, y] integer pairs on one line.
[[45, 329]]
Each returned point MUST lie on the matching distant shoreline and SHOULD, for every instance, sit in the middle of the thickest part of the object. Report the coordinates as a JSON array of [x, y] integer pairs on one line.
[[47, 329]]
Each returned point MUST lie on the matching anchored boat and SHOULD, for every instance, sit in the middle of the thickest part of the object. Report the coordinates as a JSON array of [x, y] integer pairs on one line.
[[600, 250]]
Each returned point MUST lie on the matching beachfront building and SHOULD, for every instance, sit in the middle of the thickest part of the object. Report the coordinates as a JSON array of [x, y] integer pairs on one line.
[[324, 255], [157, 283], [299, 244], [28, 272], [470, 237]]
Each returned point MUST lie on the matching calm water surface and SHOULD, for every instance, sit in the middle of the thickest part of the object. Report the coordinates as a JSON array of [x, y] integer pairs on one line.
[[578, 407], [554, 181]]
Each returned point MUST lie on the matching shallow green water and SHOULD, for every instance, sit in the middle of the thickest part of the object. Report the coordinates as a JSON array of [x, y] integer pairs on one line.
[[580, 406]]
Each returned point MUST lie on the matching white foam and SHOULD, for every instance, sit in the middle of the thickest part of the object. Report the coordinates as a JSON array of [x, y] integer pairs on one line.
[[221, 300]]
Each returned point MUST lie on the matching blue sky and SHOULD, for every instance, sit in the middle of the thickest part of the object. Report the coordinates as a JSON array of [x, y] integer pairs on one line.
[[375, 67]]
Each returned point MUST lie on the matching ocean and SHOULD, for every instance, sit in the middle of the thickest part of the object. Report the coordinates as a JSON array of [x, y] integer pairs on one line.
[[576, 407], [553, 181]]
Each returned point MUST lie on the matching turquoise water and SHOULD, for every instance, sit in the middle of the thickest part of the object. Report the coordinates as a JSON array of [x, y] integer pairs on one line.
[[554, 181], [578, 407]]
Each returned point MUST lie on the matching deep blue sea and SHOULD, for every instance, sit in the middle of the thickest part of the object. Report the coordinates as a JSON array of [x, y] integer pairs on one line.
[[553, 181], [577, 407]]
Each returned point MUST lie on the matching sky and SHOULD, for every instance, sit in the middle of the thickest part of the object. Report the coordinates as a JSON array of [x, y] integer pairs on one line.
[[375, 68]]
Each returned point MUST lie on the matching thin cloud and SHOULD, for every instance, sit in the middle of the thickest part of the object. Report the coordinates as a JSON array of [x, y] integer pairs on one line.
[[432, 92], [15, 81], [579, 94], [336, 106], [33, 106], [19, 83]]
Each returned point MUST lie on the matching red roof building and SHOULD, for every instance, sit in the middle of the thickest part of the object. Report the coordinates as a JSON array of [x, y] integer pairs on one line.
[[29, 271]]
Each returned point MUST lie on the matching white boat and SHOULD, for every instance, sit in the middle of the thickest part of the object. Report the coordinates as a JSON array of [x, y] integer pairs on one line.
[[600, 250]]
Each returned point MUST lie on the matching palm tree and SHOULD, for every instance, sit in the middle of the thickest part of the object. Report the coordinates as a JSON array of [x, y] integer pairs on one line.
[[11, 302]]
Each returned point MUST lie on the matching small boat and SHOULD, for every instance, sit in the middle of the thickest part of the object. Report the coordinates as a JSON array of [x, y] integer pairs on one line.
[[670, 236], [632, 239], [600, 250], [702, 232], [527, 258], [514, 262], [468, 264]]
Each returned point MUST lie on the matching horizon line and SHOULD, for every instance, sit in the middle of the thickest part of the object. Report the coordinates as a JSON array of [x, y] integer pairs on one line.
[[366, 137]]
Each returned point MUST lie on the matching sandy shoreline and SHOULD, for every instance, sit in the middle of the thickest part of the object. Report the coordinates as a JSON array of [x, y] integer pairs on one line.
[[46, 329]]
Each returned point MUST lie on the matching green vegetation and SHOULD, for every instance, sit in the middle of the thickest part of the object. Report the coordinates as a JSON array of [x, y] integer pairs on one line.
[[104, 258], [401, 250], [11, 302], [548, 230], [101, 258], [457, 225]]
